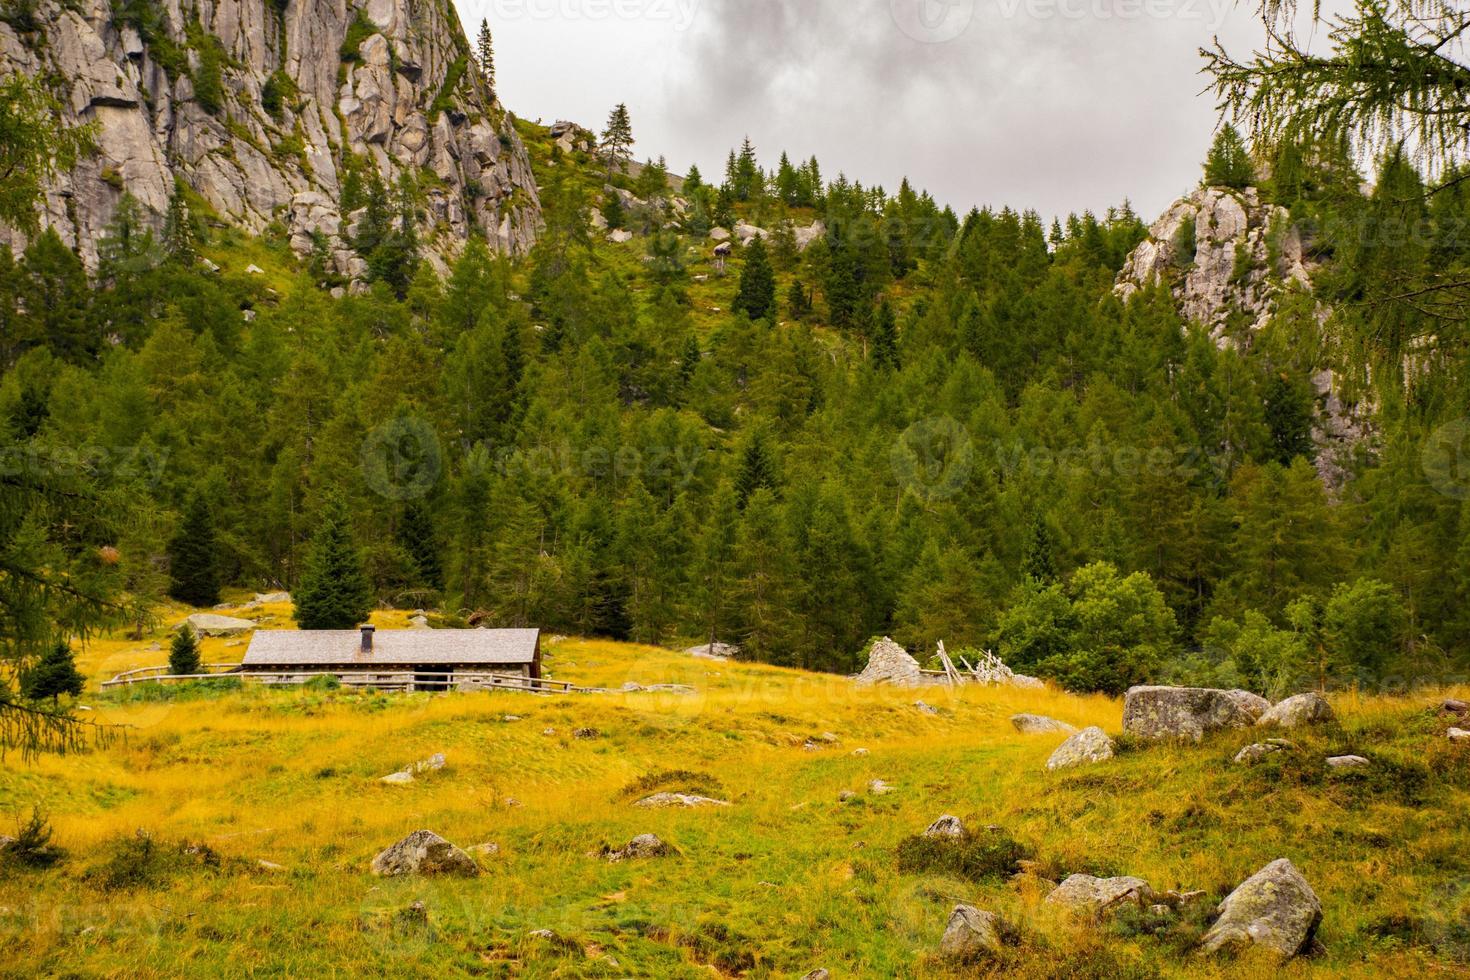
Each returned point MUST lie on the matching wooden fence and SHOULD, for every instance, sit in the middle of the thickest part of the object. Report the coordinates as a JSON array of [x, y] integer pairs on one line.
[[461, 680]]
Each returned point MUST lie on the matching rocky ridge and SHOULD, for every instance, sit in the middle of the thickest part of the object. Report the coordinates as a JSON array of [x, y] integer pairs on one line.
[[263, 106]]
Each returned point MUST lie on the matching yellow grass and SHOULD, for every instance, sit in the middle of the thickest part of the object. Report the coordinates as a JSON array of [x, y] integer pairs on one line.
[[784, 880]]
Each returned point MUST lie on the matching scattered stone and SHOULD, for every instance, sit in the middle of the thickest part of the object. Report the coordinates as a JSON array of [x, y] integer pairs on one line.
[[1454, 706], [660, 801], [509, 718], [714, 651], [1038, 724], [270, 598], [828, 737], [263, 865], [619, 235], [585, 733], [817, 974], [397, 778], [254, 270], [719, 234], [418, 623], [1299, 710], [488, 849], [424, 852], [889, 663], [433, 763], [1347, 762], [927, 709], [1274, 908], [879, 788], [1257, 751], [416, 916], [1098, 896], [1188, 712], [642, 846], [6, 843], [212, 624], [970, 933], [545, 934], [511, 801], [1087, 746], [845, 795], [1458, 735], [946, 826], [859, 752], [548, 731]]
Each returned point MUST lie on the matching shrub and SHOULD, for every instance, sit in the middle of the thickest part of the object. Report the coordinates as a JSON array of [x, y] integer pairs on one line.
[[32, 847], [990, 853], [357, 32]]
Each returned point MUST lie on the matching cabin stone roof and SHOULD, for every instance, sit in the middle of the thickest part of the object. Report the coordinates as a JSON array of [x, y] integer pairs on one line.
[[289, 648]]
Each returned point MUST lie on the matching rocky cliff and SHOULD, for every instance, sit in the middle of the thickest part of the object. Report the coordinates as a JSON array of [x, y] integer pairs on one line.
[[265, 106], [1228, 258]]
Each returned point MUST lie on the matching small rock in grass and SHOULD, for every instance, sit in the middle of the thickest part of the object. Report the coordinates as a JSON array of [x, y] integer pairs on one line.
[[1454, 706], [397, 778], [817, 974], [1458, 735], [1087, 746], [488, 849], [859, 752], [878, 787], [1298, 710], [970, 933], [946, 826], [827, 737], [642, 846], [1275, 908], [424, 852], [1098, 896], [1256, 752], [585, 733], [263, 865], [660, 801], [845, 795], [1347, 762], [548, 731], [510, 718], [1038, 724], [927, 709]]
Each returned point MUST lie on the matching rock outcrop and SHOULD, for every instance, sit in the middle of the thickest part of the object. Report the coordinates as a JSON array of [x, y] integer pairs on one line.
[[424, 852], [1188, 712], [1087, 746], [1039, 724], [213, 624], [264, 107], [1297, 711], [1088, 895], [970, 933], [1274, 908]]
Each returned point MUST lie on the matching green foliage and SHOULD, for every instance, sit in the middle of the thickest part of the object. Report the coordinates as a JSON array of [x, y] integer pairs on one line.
[[448, 92], [183, 652], [31, 847], [334, 593], [1229, 161], [973, 856], [358, 31], [53, 675], [193, 561], [757, 294], [277, 93]]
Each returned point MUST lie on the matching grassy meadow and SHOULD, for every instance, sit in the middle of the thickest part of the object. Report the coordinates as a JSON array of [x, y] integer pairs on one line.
[[165, 829]]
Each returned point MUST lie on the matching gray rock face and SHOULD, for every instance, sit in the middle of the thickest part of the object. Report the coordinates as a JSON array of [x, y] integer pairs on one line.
[[970, 933], [946, 826], [211, 624], [1274, 908], [1039, 724], [1087, 746], [403, 101], [889, 663], [1347, 762], [1188, 712], [424, 852], [1085, 894], [1299, 710]]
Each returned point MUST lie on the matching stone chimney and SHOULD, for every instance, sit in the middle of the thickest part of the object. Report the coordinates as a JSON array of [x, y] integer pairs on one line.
[[367, 638]]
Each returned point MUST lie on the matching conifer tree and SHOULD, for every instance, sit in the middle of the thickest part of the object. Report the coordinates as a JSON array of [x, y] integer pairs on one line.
[[756, 296], [416, 537], [617, 139], [757, 471], [612, 211], [1229, 162], [178, 230], [885, 339], [183, 652], [334, 593], [485, 54], [193, 564], [1039, 563], [54, 675]]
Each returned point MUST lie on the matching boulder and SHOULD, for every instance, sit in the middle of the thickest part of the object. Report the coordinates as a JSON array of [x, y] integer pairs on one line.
[[926, 708], [213, 624], [585, 733], [718, 234], [1297, 711], [619, 235], [263, 598], [1087, 746], [818, 974], [642, 846], [1274, 908], [1254, 753], [424, 852], [1347, 762], [418, 623], [1038, 724], [659, 801], [879, 788], [714, 651], [945, 826], [1085, 894], [970, 934], [1458, 735], [889, 663], [1188, 712], [433, 763], [1454, 706]]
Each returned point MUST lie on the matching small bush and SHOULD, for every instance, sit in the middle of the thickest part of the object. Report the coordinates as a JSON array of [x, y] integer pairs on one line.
[[359, 31], [32, 847], [323, 682], [990, 853], [141, 862]]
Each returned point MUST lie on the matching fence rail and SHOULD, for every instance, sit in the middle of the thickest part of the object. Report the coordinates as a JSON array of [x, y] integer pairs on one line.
[[386, 680]]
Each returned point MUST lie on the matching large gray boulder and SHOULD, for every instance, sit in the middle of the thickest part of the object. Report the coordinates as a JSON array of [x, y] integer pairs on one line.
[[1085, 894], [1274, 908], [1087, 746], [424, 852], [213, 624], [1297, 711], [970, 933], [1039, 724], [1188, 712]]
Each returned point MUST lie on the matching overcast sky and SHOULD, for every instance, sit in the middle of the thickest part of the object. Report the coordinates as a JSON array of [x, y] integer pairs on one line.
[[1057, 105]]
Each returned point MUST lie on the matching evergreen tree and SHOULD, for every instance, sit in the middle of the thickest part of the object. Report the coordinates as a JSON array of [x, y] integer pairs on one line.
[[884, 352], [183, 652], [178, 231], [417, 539], [1039, 562], [756, 296], [58, 300], [1229, 161], [485, 55], [54, 675], [757, 471], [333, 593], [192, 558], [617, 139], [612, 210]]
